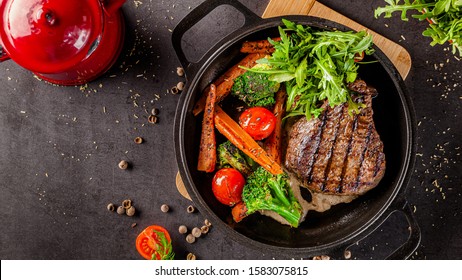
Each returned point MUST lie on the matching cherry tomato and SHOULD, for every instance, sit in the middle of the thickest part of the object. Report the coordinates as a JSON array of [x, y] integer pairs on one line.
[[227, 186], [359, 56], [258, 122], [154, 243]]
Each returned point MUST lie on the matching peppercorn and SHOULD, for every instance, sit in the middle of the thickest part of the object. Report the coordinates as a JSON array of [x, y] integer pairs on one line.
[[190, 238], [205, 229], [190, 209], [131, 211], [120, 210], [180, 71], [123, 164], [164, 208], [127, 203], [110, 207], [347, 254], [191, 257], [138, 140], [196, 232], [180, 86], [182, 229]]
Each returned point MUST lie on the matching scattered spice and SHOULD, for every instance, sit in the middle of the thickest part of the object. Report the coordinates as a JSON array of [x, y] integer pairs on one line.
[[153, 119], [123, 164], [111, 207], [322, 257], [205, 229], [347, 254], [180, 86], [127, 203], [131, 211], [138, 140], [190, 209], [164, 208], [191, 257], [155, 111], [207, 223], [120, 210], [180, 71], [133, 225], [182, 229], [174, 90], [196, 232], [190, 238]]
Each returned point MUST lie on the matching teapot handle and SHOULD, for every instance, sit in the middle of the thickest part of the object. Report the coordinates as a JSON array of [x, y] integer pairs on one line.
[[111, 6], [3, 55]]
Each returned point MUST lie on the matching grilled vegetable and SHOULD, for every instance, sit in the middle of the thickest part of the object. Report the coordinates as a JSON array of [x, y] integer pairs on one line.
[[255, 89], [230, 156]]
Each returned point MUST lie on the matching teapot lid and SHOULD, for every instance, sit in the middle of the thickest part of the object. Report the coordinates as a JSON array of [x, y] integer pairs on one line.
[[50, 36]]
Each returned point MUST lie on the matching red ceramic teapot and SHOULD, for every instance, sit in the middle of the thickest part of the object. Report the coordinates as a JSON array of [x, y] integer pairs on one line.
[[64, 42]]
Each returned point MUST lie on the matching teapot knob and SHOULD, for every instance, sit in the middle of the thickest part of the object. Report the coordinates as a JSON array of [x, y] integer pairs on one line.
[[45, 16]]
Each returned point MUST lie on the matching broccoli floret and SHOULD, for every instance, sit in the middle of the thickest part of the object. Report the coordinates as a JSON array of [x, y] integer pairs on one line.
[[264, 191], [230, 155], [255, 89]]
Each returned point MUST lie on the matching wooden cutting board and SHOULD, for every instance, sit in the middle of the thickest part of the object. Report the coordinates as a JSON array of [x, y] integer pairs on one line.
[[396, 53]]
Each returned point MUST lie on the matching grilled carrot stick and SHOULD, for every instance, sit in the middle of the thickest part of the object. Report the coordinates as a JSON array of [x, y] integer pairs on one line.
[[273, 142], [239, 212], [225, 82], [243, 141], [261, 46], [207, 150]]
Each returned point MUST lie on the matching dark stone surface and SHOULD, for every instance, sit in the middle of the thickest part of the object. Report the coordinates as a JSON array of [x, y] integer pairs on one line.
[[60, 146]]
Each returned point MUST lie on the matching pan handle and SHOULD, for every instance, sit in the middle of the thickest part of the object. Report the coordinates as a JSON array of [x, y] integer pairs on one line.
[[408, 248], [195, 16]]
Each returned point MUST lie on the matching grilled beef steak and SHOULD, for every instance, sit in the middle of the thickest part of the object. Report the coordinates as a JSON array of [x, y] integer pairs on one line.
[[338, 153]]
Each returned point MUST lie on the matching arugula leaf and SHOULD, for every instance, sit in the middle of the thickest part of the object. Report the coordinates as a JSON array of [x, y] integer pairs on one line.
[[444, 16], [315, 65]]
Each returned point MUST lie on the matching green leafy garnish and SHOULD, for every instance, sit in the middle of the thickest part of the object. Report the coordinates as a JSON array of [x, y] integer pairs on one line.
[[444, 17], [164, 249], [314, 65]]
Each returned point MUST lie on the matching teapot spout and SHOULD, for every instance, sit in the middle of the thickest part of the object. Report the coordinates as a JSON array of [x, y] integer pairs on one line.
[[112, 6]]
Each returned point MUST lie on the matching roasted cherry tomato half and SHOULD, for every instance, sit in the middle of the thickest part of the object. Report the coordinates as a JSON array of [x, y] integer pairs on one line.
[[258, 122], [154, 243], [227, 186]]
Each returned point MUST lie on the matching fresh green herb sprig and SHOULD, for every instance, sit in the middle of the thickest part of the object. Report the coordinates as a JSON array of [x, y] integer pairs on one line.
[[444, 17], [164, 250], [315, 65]]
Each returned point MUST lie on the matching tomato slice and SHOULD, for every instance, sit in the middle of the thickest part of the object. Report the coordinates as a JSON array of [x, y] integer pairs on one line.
[[258, 122], [154, 243], [227, 185]]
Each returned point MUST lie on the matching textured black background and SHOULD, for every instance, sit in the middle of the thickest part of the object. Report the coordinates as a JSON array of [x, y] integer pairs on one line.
[[59, 150]]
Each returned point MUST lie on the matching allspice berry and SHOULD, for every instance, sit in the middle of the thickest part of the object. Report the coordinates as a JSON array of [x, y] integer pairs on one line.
[[182, 229], [164, 208], [110, 207], [131, 211]]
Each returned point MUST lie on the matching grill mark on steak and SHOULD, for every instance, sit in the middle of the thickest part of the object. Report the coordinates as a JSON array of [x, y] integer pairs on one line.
[[344, 153], [328, 137]]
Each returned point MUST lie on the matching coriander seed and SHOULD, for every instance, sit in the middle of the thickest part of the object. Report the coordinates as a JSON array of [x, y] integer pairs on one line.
[[131, 211], [180, 71], [111, 207], [205, 229], [153, 119], [347, 254], [191, 257], [164, 208], [120, 210], [190, 209], [138, 140], [207, 223], [182, 229], [123, 164], [196, 232], [180, 86], [174, 90], [127, 203], [190, 238]]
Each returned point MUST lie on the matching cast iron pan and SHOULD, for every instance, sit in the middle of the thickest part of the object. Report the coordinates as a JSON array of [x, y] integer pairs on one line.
[[328, 233]]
